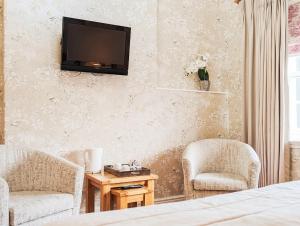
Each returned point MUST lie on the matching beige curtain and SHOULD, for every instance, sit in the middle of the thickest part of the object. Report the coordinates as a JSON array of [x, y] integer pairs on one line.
[[265, 65]]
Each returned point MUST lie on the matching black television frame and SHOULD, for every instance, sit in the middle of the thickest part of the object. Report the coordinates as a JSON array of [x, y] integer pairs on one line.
[[81, 65]]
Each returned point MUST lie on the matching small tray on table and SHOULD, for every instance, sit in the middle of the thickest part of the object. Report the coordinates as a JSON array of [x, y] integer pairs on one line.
[[129, 173]]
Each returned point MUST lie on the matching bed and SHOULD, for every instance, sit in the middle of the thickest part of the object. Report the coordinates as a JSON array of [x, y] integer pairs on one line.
[[275, 205]]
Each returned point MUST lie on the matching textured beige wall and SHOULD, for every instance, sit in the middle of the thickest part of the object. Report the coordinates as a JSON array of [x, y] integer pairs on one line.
[[190, 27], [128, 116], [1, 76], [293, 2], [294, 161]]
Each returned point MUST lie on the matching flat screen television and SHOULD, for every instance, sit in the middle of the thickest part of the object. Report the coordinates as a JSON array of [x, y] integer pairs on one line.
[[95, 47]]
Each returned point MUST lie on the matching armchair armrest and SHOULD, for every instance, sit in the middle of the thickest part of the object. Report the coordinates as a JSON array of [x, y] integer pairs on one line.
[[248, 164], [191, 161], [254, 167], [4, 197]]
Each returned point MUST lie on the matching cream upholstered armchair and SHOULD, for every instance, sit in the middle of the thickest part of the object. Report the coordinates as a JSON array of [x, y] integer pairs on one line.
[[216, 166], [36, 188]]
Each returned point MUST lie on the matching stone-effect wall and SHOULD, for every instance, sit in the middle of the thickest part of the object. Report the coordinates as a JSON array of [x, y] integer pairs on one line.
[[293, 150], [294, 27], [59, 111], [1, 77], [189, 27], [294, 161]]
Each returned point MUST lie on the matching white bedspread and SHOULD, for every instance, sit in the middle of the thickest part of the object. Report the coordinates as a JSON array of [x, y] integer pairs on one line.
[[276, 205]]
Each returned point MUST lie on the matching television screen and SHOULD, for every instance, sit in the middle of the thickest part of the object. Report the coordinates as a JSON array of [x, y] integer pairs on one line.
[[95, 47]]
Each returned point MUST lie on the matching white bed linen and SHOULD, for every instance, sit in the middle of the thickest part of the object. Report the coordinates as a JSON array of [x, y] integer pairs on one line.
[[276, 205]]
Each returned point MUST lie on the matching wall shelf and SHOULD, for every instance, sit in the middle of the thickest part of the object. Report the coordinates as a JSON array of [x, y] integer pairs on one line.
[[193, 91]]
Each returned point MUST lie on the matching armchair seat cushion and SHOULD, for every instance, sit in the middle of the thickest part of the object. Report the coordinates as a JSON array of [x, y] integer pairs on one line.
[[219, 182], [27, 206]]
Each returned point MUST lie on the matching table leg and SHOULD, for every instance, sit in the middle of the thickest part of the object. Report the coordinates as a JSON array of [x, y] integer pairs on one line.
[[89, 197], [149, 197], [121, 203], [105, 198]]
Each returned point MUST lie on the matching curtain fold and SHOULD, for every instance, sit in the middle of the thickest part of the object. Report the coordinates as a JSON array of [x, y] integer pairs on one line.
[[265, 68]]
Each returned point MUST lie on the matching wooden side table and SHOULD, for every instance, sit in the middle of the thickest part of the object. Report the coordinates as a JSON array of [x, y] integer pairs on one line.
[[107, 182]]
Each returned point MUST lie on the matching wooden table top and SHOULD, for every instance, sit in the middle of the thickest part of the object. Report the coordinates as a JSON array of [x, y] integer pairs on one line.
[[111, 179]]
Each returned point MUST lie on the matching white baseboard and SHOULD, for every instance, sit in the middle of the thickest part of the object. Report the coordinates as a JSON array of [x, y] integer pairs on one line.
[[176, 198]]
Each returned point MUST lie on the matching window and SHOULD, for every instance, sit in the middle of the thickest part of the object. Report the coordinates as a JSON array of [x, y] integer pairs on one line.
[[294, 96], [294, 71]]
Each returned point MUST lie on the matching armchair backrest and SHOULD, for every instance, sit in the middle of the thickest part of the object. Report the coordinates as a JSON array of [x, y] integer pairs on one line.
[[9, 160], [39, 171], [223, 155], [14, 163]]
